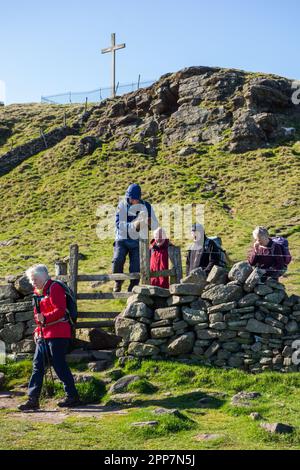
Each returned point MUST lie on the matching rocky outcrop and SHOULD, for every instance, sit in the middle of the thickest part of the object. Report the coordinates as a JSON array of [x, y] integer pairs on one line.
[[239, 111], [241, 322]]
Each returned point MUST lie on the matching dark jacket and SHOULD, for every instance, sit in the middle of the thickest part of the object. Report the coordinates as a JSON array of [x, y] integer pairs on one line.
[[269, 258], [205, 258]]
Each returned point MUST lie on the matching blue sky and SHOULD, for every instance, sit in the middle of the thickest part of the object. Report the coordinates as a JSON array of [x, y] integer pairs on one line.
[[54, 46]]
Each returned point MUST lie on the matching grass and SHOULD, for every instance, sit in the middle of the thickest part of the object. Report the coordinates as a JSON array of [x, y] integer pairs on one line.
[[178, 386]]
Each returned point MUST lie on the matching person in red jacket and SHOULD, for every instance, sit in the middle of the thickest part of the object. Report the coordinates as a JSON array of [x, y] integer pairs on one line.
[[159, 257], [53, 332]]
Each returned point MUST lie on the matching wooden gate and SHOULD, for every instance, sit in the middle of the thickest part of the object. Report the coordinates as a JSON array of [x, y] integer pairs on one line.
[[73, 278]]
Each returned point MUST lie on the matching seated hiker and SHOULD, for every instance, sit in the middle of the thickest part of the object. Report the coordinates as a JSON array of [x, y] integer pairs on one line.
[[204, 252], [159, 257], [132, 213], [52, 337], [269, 253]]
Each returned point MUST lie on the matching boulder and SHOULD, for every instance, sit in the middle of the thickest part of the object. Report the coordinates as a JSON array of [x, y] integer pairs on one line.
[[193, 317], [121, 385], [137, 310], [255, 326], [277, 428], [163, 332], [151, 291], [180, 300], [130, 330], [100, 339], [197, 276], [8, 292], [254, 279], [223, 294], [240, 272], [181, 345], [23, 285], [186, 289], [145, 299], [169, 313], [12, 333], [142, 349], [217, 275]]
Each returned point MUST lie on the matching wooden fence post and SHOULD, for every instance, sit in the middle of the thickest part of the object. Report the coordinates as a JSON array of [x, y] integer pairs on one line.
[[61, 268], [73, 267], [144, 256], [175, 257]]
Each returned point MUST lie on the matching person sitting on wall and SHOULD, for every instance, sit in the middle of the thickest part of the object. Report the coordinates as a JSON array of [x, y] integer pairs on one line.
[[132, 213], [203, 253], [52, 337], [159, 257], [266, 254]]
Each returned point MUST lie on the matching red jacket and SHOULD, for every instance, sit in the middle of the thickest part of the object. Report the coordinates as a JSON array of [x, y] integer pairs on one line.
[[159, 261], [53, 308]]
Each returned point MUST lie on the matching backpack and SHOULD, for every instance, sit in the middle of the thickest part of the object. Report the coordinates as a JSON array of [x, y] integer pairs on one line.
[[284, 246], [217, 242], [71, 311]]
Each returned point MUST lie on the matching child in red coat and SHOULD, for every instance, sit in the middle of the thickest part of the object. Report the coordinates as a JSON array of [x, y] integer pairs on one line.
[[159, 257]]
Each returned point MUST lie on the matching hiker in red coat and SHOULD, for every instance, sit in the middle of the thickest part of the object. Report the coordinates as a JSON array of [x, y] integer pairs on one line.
[[266, 254], [52, 338], [159, 257]]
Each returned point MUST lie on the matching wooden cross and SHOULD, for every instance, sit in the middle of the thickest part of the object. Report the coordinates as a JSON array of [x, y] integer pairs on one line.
[[113, 49]]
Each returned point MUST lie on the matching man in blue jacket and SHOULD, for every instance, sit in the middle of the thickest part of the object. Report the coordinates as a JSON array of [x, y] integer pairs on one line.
[[131, 213]]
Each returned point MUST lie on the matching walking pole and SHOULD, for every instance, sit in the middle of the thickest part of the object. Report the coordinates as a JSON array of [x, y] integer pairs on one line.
[[49, 388]]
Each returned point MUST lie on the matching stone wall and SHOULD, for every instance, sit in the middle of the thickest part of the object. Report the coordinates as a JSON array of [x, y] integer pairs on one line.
[[227, 319], [16, 317]]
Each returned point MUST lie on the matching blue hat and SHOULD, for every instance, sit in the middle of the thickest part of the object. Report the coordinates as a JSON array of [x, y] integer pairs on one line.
[[134, 191]]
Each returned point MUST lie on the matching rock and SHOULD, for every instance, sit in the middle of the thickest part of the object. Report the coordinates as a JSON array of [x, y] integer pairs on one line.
[[185, 151], [240, 272], [169, 313], [249, 300], [97, 366], [23, 286], [255, 326], [193, 317], [100, 339], [145, 299], [197, 276], [103, 355], [145, 424], [223, 294], [164, 332], [12, 333], [181, 345], [221, 308], [2, 380], [217, 275], [167, 411], [292, 327], [242, 397], [254, 279], [263, 290], [142, 349], [212, 350], [121, 384], [180, 300], [151, 291], [275, 297], [78, 355], [16, 307], [130, 330], [255, 416], [208, 437], [186, 289], [8, 292], [23, 316], [137, 310], [277, 428], [24, 346]]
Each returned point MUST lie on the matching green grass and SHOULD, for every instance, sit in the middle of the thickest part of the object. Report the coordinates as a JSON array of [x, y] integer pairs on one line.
[[178, 386]]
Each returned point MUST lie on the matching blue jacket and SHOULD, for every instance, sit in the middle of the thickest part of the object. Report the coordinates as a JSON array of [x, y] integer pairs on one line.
[[126, 215]]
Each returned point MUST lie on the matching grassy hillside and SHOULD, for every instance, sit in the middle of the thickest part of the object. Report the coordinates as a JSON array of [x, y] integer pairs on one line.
[[51, 199]]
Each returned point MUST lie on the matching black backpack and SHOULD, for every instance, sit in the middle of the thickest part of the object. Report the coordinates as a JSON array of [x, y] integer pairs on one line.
[[71, 311]]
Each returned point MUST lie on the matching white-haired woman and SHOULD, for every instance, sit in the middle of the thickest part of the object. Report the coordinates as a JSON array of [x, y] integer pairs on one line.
[[52, 337], [266, 254]]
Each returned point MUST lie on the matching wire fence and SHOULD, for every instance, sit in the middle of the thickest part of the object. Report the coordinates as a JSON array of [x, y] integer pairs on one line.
[[94, 96]]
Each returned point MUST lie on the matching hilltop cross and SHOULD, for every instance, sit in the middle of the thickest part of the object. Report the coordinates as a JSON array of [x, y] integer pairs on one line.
[[113, 49]]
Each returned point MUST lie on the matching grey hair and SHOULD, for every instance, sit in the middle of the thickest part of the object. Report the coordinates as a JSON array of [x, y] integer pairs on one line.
[[260, 232], [39, 269]]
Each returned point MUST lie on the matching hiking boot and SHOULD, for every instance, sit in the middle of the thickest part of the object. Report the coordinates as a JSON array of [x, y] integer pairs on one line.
[[132, 284], [69, 402], [118, 286], [30, 405]]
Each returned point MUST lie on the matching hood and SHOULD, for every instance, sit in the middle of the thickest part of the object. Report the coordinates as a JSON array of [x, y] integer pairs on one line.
[[134, 192]]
